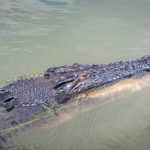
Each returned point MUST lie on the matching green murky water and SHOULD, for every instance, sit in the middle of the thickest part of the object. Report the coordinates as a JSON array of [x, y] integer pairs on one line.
[[123, 124], [38, 34]]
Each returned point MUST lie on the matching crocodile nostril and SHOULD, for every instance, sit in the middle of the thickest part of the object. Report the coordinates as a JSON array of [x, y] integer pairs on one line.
[[8, 100], [9, 103], [4, 92]]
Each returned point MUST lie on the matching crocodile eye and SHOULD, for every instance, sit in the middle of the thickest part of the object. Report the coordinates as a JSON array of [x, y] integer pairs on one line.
[[63, 82], [94, 75]]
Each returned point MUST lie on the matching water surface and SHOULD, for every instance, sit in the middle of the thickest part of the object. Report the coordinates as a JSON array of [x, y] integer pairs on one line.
[[119, 125], [38, 34]]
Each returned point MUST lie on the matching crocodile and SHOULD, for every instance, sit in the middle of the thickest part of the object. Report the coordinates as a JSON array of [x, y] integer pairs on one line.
[[61, 84], [22, 100]]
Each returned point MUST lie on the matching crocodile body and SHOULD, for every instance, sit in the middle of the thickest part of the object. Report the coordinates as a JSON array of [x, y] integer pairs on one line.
[[60, 84]]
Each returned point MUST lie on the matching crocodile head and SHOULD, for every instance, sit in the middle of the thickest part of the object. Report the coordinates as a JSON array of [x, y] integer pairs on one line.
[[78, 79]]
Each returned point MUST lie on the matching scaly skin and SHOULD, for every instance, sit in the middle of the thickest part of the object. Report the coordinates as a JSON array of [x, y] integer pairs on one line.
[[61, 84]]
